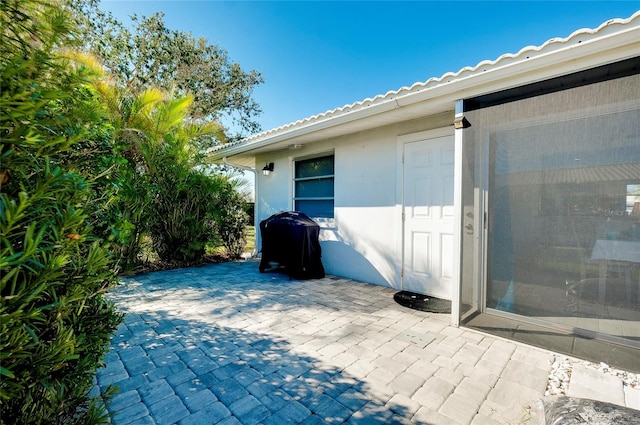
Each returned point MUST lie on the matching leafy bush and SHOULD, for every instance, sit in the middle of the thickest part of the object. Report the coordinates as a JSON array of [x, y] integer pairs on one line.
[[231, 218], [55, 322], [190, 210], [182, 221], [167, 194], [127, 217]]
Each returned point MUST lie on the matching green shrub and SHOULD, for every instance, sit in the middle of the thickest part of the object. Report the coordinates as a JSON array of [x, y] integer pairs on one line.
[[191, 209], [127, 217], [231, 218], [181, 215], [55, 322]]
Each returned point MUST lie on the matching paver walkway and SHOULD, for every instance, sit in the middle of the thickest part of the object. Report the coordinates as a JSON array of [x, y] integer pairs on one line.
[[224, 344]]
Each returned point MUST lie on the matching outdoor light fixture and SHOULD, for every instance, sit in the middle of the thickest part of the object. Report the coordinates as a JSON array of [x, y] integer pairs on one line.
[[461, 122], [268, 168]]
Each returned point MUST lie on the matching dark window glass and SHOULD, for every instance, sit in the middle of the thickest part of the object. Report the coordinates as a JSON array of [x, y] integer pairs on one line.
[[314, 186], [316, 208], [320, 188], [315, 167]]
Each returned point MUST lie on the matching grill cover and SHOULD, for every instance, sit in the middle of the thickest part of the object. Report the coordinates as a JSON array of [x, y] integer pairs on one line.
[[290, 239]]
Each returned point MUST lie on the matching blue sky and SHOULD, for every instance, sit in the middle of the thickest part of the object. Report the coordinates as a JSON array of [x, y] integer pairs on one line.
[[319, 55]]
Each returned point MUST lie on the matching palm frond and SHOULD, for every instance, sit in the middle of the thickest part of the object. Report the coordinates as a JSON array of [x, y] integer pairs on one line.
[[84, 60]]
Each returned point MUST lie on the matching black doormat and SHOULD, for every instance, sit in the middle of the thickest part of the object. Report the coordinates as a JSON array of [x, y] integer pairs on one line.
[[422, 302]]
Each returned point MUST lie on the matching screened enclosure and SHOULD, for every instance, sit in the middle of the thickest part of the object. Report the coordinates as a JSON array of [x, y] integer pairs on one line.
[[551, 211]]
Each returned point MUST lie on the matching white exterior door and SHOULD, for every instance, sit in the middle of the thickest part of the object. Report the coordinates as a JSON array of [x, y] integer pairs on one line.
[[428, 235]]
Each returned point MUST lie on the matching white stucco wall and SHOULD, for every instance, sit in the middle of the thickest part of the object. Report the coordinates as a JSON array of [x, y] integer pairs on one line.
[[365, 240]]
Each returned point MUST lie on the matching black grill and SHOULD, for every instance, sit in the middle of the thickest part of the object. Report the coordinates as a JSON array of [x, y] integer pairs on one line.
[[290, 239]]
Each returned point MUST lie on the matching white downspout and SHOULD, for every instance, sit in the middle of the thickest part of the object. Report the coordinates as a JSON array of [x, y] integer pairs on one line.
[[457, 215]]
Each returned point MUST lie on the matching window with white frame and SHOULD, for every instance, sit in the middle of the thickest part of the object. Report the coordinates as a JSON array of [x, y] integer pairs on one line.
[[313, 186]]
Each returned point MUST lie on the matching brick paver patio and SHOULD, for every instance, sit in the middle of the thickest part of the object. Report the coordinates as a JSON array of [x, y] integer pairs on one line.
[[224, 344]]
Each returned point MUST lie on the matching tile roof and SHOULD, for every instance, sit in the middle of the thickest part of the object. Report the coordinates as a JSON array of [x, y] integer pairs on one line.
[[529, 52]]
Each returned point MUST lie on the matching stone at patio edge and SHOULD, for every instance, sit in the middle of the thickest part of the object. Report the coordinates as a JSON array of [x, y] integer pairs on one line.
[[578, 411]]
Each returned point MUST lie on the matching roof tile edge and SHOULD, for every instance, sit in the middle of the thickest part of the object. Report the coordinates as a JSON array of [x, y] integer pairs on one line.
[[503, 59]]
